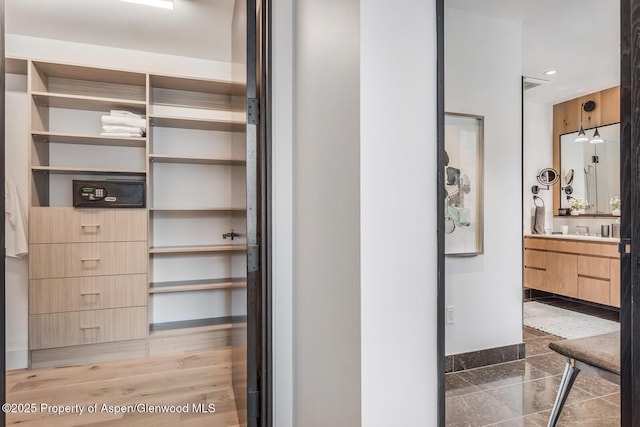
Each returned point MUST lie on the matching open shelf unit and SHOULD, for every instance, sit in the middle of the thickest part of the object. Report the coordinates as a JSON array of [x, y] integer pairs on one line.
[[192, 160], [196, 154]]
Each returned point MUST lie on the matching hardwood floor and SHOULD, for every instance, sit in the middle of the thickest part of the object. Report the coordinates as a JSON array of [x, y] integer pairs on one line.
[[113, 393]]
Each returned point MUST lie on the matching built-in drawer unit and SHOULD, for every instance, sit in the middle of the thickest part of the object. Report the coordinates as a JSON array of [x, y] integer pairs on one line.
[[87, 327], [587, 270], [87, 293], [88, 283], [68, 225], [49, 261]]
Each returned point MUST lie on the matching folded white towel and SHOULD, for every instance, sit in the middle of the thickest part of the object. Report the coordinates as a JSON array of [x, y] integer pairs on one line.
[[120, 134], [132, 129], [124, 121], [124, 113]]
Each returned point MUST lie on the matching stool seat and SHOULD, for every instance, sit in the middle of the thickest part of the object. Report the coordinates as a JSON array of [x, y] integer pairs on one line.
[[601, 351]]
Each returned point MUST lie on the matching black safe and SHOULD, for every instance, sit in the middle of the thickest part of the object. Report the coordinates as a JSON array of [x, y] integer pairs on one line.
[[111, 194]]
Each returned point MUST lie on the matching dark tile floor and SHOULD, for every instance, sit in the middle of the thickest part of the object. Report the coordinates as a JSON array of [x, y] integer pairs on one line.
[[521, 393]]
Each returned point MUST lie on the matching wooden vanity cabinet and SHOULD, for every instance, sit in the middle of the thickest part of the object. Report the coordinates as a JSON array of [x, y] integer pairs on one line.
[[579, 269]]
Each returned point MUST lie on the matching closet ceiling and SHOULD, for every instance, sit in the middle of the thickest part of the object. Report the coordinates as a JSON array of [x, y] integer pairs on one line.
[[578, 38], [195, 28]]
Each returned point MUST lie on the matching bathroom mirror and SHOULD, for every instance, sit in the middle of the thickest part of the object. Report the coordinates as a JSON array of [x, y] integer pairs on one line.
[[595, 179]]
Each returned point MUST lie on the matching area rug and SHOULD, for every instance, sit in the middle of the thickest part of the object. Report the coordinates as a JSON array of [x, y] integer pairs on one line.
[[565, 323]]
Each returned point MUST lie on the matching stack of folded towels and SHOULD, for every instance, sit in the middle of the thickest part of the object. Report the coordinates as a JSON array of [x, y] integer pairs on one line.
[[123, 123]]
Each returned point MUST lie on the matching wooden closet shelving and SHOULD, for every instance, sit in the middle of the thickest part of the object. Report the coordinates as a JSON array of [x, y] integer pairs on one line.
[[192, 161]]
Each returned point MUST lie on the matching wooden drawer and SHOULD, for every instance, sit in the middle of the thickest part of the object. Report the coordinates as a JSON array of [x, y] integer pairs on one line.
[[87, 293], [535, 243], [534, 258], [64, 224], [535, 279], [597, 248], [87, 327], [594, 267], [594, 290], [50, 261], [562, 246]]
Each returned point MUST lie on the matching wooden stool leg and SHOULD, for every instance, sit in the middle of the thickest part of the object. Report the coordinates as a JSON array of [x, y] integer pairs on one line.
[[569, 376]]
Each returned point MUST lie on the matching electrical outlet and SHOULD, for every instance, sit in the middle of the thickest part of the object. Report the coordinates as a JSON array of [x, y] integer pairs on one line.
[[451, 314]]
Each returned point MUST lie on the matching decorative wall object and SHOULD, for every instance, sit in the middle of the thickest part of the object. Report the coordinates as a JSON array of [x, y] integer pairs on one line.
[[463, 184]]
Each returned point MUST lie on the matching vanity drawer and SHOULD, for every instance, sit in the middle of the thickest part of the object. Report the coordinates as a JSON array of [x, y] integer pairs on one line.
[[594, 290], [562, 246], [594, 267], [87, 293], [50, 261], [535, 243], [535, 279], [597, 248], [87, 327], [534, 258], [65, 224]]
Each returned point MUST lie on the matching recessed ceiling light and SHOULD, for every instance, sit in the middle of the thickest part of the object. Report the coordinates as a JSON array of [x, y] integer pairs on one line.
[[550, 72], [165, 4]]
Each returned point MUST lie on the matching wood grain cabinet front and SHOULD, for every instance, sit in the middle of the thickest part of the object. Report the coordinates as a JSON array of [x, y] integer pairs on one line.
[[587, 270], [87, 293], [87, 327], [50, 261], [69, 225]]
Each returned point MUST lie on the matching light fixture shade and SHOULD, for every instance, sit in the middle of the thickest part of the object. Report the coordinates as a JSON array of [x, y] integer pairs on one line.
[[582, 136], [597, 139]]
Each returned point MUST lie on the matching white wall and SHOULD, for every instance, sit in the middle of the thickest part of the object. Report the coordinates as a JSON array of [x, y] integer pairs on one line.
[[398, 213], [482, 77], [538, 154], [315, 57], [326, 197]]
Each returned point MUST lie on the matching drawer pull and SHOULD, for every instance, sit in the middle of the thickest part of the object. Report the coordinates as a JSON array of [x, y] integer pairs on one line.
[[89, 327], [89, 293], [90, 259], [90, 225]]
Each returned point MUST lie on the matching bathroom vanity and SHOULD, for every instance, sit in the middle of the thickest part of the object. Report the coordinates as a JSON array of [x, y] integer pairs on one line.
[[582, 267]]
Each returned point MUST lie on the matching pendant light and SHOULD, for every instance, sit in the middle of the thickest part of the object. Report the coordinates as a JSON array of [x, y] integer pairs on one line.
[[597, 139], [582, 137]]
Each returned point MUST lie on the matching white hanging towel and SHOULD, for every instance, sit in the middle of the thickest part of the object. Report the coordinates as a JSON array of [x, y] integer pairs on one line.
[[15, 221]]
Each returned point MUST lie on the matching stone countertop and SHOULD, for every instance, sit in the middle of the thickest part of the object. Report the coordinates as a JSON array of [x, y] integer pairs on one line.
[[576, 237]]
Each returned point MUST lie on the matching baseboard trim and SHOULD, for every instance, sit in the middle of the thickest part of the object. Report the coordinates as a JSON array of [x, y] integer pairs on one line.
[[480, 358]]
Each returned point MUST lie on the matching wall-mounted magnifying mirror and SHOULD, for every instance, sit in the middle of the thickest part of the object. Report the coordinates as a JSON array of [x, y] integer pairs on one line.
[[548, 177], [568, 178]]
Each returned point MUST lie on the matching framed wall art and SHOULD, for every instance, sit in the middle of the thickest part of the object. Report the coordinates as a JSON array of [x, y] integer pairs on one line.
[[463, 140]]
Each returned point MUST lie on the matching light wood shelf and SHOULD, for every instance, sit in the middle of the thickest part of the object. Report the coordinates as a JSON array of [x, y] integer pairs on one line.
[[85, 171], [196, 123], [195, 209], [196, 285], [215, 323], [196, 249], [16, 66], [81, 72], [164, 158], [223, 87], [81, 102], [70, 138]]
